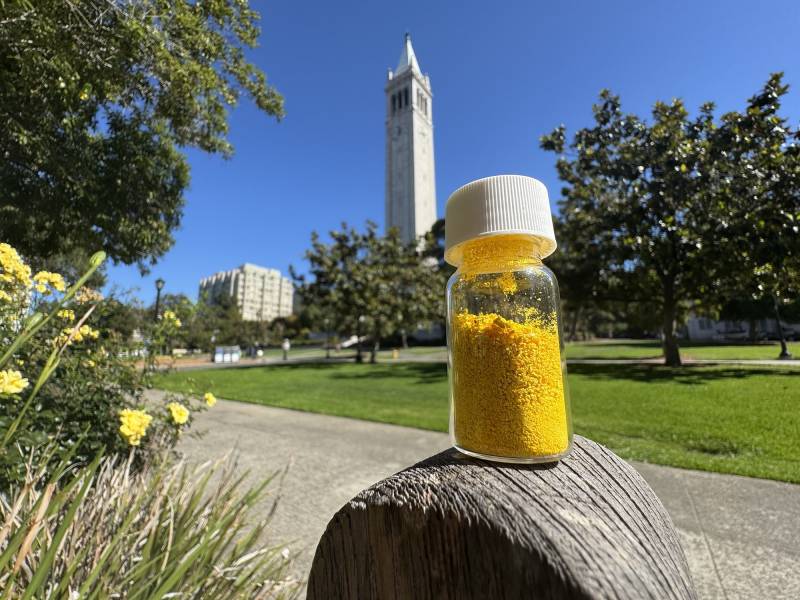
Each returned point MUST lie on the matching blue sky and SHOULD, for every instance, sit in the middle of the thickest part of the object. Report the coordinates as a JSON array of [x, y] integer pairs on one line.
[[502, 73]]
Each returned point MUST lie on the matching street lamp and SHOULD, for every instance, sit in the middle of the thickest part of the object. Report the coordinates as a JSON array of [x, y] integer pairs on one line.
[[327, 339], [361, 319], [159, 287]]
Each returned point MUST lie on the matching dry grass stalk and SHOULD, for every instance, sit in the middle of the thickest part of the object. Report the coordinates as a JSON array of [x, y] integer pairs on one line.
[[107, 531]]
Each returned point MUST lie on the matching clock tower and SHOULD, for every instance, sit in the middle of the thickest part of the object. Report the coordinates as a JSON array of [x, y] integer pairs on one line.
[[410, 175]]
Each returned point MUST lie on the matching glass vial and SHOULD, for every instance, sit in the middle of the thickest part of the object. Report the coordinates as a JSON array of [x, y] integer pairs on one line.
[[508, 390]]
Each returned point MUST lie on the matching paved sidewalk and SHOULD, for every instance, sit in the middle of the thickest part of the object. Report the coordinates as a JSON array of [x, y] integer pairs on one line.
[[741, 535], [437, 357]]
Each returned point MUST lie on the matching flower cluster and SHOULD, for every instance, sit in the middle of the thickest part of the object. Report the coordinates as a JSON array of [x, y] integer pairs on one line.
[[87, 295], [45, 282], [66, 314], [171, 318], [12, 382], [77, 335], [133, 425], [14, 271], [178, 412]]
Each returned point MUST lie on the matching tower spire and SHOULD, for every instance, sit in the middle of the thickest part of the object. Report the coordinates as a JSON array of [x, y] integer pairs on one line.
[[408, 60]]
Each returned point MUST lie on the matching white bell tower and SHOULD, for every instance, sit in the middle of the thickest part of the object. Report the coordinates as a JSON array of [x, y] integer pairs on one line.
[[410, 173]]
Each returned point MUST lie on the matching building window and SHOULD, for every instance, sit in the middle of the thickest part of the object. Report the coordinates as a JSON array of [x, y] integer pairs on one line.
[[405, 97], [394, 103]]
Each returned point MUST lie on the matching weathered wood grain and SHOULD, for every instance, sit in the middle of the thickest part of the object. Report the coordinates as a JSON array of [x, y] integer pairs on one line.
[[456, 528]]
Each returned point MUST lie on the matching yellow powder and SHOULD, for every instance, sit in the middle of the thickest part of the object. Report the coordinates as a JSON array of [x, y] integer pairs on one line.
[[508, 388]]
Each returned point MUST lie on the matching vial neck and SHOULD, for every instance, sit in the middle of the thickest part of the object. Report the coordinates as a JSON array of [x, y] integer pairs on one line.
[[504, 252]]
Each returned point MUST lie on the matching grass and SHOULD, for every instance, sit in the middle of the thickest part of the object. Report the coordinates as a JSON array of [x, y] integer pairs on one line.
[[729, 419], [652, 349], [614, 349], [608, 349]]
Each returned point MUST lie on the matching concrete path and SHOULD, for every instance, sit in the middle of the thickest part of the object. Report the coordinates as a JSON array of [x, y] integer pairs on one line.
[[437, 357], [741, 535]]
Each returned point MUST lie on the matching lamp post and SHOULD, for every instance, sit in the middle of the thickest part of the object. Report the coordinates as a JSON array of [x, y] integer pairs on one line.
[[361, 319], [159, 287], [327, 339]]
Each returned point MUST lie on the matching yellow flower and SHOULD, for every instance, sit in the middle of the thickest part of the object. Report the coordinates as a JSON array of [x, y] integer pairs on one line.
[[13, 269], [86, 295], [88, 332], [90, 363], [45, 280], [133, 425], [12, 382], [66, 314], [170, 316], [209, 398], [4, 296], [180, 414], [70, 334]]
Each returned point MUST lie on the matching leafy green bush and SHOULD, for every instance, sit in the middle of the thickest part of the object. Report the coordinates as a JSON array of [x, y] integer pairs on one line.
[[88, 397], [109, 531], [77, 525]]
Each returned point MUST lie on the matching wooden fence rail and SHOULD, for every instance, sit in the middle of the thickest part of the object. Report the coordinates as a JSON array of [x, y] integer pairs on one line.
[[451, 527]]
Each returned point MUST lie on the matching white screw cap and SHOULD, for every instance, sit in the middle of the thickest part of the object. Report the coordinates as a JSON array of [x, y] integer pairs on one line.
[[497, 205]]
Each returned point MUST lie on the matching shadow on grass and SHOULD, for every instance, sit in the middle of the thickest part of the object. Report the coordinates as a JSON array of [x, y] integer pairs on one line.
[[687, 375], [422, 372], [618, 343]]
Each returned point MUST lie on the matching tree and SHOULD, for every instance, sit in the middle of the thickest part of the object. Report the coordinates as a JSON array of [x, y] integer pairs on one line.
[[96, 99], [581, 280], [633, 196], [654, 203], [756, 161], [368, 284], [407, 291]]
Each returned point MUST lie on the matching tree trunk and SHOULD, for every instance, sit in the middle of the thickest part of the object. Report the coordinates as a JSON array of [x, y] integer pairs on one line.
[[573, 328], [784, 349], [672, 352], [456, 528], [751, 330], [404, 337], [373, 357]]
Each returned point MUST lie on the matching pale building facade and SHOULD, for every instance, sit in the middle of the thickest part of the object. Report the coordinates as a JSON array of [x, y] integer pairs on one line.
[[705, 329], [410, 169], [261, 294]]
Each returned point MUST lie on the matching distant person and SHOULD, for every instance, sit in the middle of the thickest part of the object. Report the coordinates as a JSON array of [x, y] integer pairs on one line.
[[286, 345]]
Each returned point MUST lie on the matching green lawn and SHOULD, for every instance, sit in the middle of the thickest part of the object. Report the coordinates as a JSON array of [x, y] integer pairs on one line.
[[652, 349], [614, 350], [742, 420], [611, 349]]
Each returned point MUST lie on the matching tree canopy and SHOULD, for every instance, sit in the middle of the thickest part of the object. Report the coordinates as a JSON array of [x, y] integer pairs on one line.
[[680, 210], [361, 282], [97, 100]]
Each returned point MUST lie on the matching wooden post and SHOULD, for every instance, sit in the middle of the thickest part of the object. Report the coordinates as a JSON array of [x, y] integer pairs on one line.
[[451, 527]]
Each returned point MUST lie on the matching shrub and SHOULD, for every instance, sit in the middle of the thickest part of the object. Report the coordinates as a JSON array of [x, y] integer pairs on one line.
[[114, 527], [82, 400], [109, 531]]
